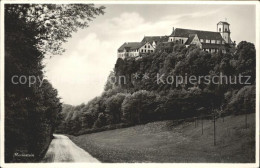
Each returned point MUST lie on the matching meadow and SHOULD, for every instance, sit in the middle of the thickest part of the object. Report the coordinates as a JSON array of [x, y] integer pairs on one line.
[[166, 142]]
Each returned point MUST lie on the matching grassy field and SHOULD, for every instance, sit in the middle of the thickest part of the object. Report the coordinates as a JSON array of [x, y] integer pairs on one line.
[[164, 142]]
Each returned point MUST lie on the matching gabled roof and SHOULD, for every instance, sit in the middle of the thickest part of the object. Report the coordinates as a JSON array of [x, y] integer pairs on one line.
[[157, 39], [221, 22], [130, 46], [191, 37], [178, 32]]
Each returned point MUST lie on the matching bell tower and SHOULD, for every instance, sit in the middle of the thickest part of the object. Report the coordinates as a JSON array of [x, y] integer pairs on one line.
[[223, 29]]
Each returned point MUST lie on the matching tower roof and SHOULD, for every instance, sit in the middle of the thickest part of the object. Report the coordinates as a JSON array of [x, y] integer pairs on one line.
[[221, 22]]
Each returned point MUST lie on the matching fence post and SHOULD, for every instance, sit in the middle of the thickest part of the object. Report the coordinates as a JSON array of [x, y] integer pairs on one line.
[[214, 129], [201, 125], [222, 113], [246, 120], [246, 111]]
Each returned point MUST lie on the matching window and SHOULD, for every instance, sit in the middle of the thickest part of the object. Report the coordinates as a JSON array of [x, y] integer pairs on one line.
[[218, 41], [201, 40], [219, 29], [225, 29], [145, 46], [207, 41], [148, 46], [151, 50], [223, 42], [142, 50], [213, 41]]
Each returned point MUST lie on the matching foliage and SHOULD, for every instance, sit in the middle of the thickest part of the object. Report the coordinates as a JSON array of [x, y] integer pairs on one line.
[[32, 113], [113, 107], [243, 101], [54, 23], [246, 60], [142, 100]]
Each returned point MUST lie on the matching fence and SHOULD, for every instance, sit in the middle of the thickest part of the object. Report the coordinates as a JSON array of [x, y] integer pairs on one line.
[[199, 121]]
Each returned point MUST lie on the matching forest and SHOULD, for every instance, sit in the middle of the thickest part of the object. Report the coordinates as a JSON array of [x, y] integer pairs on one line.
[[32, 112], [140, 100]]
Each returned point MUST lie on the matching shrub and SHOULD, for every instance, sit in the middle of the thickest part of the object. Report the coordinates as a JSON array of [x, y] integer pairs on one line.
[[243, 101]]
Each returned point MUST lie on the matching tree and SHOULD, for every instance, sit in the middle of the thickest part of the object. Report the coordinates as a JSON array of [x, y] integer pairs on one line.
[[54, 23], [246, 60], [101, 121], [243, 101], [31, 33], [111, 79], [87, 120], [139, 107], [113, 107]]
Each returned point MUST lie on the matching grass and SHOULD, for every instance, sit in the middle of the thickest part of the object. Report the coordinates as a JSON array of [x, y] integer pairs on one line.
[[163, 142]]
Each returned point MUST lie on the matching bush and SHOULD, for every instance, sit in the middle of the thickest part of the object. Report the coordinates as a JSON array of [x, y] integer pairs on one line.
[[243, 101], [139, 107]]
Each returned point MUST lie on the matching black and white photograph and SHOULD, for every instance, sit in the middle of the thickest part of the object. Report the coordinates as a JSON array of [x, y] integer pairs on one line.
[[129, 82]]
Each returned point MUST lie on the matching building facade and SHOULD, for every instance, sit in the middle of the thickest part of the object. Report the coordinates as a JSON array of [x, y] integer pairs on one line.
[[209, 41], [134, 49], [223, 29]]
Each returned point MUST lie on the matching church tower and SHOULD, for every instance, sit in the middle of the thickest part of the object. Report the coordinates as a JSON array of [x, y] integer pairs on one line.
[[223, 29]]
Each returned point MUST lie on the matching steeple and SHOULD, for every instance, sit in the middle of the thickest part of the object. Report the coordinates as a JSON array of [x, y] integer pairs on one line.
[[223, 29]]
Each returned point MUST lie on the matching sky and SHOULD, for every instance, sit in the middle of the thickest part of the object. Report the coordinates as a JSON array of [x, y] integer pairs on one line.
[[81, 72]]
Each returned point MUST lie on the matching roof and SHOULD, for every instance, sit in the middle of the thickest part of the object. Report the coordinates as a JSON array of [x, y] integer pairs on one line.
[[178, 32], [191, 37], [166, 44], [221, 22], [210, 46], [130, 46], [150, 39]]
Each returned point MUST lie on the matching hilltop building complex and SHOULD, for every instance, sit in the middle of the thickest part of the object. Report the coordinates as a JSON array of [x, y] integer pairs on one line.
[[210, 41]]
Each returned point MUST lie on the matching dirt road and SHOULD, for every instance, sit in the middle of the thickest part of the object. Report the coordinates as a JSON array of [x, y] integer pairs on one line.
[[62, 149]]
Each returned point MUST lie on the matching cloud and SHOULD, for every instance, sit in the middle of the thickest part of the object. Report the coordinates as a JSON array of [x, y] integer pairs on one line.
[[81, 72], [126, 20], [80, 75]]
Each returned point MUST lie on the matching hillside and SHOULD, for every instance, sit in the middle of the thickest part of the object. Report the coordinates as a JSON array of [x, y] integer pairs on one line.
[[139, 98], [163, 142]]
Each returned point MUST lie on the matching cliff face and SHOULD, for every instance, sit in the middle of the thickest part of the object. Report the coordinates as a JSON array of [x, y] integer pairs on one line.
[[157, 71]]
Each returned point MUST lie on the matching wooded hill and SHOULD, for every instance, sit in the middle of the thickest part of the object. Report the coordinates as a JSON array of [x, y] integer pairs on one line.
[[141, 100]]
